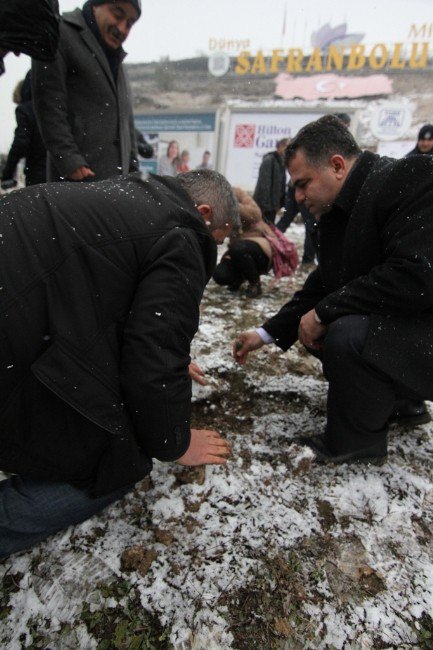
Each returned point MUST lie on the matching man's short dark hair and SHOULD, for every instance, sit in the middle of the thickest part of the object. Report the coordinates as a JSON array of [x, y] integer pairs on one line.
[[322, 139], [208, 186]]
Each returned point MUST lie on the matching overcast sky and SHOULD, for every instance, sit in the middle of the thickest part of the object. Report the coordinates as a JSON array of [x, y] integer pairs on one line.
[[183, 28]]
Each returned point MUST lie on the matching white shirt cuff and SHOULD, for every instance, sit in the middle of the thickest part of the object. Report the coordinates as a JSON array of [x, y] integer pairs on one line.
[[264, 335]]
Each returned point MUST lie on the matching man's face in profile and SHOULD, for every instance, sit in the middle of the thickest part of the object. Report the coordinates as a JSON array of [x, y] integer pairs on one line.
[[114, 20], [316, 186]]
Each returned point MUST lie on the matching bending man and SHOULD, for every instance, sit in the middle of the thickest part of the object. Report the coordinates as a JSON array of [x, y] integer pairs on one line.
[[100, 300]]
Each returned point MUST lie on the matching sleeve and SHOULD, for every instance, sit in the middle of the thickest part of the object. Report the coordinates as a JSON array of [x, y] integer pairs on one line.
[[283, 327], [20, 145], [402, 285], [50, 100], [155, 355]]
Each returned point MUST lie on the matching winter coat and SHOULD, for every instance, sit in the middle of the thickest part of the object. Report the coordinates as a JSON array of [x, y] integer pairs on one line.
[[416, 152], [27, 142], [30, 27], [84, 114], [376, 258], [270, 188], [101, 286]]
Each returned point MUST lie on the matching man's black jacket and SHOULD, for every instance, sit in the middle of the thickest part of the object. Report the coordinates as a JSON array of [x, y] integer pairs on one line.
[[100, 291], [270, 188], [376, 258]]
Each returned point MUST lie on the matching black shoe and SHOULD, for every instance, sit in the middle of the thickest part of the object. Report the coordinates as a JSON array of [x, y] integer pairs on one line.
[[409, 412], [253, 290], [374, 455]]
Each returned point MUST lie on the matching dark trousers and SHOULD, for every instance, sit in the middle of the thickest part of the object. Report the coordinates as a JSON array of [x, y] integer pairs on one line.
[[244, 260], [360, 396], [309, 220]]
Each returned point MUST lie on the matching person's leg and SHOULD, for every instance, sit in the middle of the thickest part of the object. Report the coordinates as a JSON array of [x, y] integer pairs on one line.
[[309, 247], [360, 397], [226, 275], [31, 510], [248, 259], [285, 221]]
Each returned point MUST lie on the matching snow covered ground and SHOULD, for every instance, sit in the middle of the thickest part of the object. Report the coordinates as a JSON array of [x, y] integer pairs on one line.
[[270, 551]]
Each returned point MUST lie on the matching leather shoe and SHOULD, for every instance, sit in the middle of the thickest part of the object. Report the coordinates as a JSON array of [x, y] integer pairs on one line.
[[409, 412], [374, 455]]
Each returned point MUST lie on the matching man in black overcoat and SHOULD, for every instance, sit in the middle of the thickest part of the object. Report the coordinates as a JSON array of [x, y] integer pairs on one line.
[[367, 310], [270, 190], [100, 291]]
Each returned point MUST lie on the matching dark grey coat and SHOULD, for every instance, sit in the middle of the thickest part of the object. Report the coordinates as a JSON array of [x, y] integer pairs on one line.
[[85, 117], [376, 258]]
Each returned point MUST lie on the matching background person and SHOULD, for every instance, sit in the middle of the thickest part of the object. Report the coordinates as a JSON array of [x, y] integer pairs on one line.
[[367, 310], [102, 287], [424, 145], [167, 165], [183, 165], [205, 162], [82, 99], [27, 142], [291, 210], [253, 250], [270, 189]]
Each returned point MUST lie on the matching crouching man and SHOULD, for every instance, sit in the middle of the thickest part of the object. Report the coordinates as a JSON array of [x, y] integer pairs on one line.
[[367, 310], [101, 286]]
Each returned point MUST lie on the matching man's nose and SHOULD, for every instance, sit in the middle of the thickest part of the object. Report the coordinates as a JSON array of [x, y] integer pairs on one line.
[[123, 28]]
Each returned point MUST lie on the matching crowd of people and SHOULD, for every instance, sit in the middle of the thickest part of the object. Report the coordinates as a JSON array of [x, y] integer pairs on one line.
[[102, 282]]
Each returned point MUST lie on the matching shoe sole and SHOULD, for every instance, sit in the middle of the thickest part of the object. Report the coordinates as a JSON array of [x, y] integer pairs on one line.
[[412, 421]]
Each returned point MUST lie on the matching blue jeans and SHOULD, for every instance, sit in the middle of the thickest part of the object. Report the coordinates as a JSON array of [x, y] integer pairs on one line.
[[31, 510]]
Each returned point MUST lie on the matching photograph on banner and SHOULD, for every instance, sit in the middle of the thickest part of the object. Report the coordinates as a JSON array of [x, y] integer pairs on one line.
[[184, 141]]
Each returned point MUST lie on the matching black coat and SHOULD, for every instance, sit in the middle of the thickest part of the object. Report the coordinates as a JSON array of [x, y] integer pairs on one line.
[[83, 112], [30, 27], [376, 258], [101, 286], [28, 144], [270, 188]]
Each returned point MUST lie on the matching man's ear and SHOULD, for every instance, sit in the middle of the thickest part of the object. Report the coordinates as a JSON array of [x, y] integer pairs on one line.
[[206, 212], [339, 165]]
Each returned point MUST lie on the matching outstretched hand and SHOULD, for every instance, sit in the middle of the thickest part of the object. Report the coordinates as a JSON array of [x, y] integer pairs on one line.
[[206, 448], [244, 344]]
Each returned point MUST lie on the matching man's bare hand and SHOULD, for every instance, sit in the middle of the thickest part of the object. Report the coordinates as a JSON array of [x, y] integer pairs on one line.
[[197, 374], [206, 448], [245, 343], [81, 173], [310, 332]]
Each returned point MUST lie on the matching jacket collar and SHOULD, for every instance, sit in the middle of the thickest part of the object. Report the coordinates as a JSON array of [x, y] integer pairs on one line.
[[355, 180], [76, 19]]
